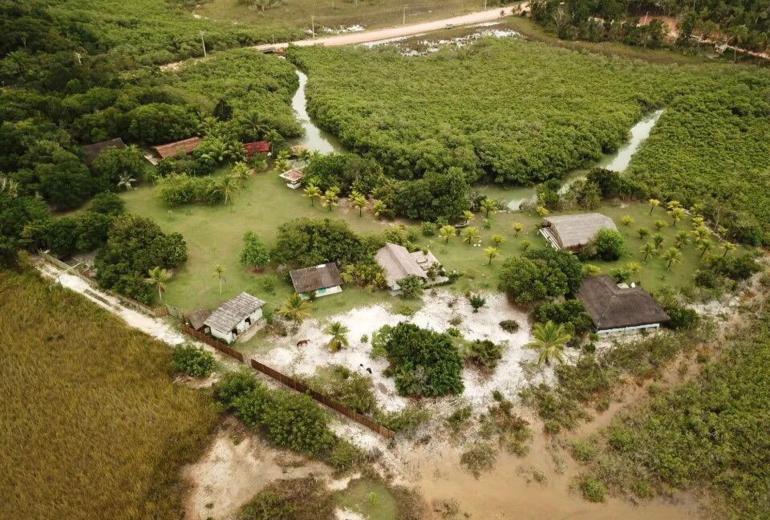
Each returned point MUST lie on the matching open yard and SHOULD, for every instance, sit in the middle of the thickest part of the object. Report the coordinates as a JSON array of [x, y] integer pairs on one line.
[[93, 426]]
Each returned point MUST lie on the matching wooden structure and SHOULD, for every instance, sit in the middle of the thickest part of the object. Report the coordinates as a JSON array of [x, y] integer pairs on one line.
[[233, 317], [92, 151], [255, 147], [618, 309], [320, 280], [293, 178], [574, 231], [183, 147]]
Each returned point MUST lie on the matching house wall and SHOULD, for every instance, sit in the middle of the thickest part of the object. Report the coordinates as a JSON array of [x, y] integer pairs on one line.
[[228, 336], [629, 330]]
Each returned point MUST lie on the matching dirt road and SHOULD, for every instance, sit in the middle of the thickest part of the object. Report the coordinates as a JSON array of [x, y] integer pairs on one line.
[[402, 31]]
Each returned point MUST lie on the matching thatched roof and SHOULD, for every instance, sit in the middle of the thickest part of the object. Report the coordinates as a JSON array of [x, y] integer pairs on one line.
[[398, 263], [197, 318], [92, 151], [612, 307], [311, 279], [571, 231], [182, 147], [233, 311]]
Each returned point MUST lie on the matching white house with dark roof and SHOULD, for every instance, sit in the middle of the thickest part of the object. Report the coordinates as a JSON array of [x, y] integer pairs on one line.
[[234, 317], [319, 280], [615, 308]]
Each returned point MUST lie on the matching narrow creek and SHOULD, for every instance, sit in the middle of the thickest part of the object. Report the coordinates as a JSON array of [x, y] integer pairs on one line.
[[314, 139]]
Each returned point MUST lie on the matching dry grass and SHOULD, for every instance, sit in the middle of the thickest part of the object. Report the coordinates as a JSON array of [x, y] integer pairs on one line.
[[92, 425]]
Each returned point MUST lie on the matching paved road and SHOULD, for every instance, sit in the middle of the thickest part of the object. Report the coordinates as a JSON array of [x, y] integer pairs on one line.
[[390, 33]]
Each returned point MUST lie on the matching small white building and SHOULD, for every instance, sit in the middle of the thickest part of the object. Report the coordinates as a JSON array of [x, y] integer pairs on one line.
[[234, 317], [293, 178]]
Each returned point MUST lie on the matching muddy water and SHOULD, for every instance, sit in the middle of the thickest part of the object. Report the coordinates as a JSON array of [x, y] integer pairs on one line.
[[314, 139], [617, 162], [509, 491]]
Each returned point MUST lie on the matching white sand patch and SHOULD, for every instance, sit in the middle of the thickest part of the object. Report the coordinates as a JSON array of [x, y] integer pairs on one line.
[[347, 514], [437, 312]]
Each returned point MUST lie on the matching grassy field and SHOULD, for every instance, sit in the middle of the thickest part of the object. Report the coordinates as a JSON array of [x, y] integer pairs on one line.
[[93, 426], [336, 13], [369, 498], [214, 237]]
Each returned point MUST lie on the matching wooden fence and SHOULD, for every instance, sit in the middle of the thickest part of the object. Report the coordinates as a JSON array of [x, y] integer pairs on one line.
[[323, 399], [213, 342]]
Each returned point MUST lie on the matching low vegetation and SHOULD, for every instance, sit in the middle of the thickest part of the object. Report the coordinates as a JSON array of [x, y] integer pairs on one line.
[[710, 433], [89, 411]]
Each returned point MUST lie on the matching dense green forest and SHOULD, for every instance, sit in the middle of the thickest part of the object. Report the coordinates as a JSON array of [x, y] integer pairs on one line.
[[745, 23], [516, 112], [713, 432]]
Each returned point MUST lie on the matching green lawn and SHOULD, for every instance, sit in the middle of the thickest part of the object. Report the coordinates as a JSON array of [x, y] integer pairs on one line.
[[214, 237], [371, 499]]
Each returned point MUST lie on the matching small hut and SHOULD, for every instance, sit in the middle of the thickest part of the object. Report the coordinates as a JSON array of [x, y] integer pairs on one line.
[[293, 178], [234, 316], [320, 280], [183, 147], [617, 309], [398, 263], [573, 232], [92, 151]]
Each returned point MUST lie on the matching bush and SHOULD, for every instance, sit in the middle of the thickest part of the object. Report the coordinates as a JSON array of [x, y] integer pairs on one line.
[[295, 499], [304, 242], [509, 326], [404, 421], [410, 287], [296, 422], [425, 363], [232, 386], [428, 229], [344, 456], [193, 361], [609, 245], [478, 458], [584, 450], [571, 312], [592, 489], [484, 354], [681, 317], [541, 274]]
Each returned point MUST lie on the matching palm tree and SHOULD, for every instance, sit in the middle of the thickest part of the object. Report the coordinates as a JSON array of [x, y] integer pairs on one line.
[[681, 239], [542, 211], [330, 199], [518, 227], [488, 205], [549, 339], [126, 182], [219, 274], [158, 277], [339, 336], [671, 256], [9, 186], [648, 250], [727, 247], [704, 246], [227, 187], [358, 201], [378, 208], [240, 171], [700, 233], [295, 309], [468, 215], [312, 192], [447, 232], [497, 240], [491, 253], [653, 203], [657, 239], [471, 234], [677, 214]]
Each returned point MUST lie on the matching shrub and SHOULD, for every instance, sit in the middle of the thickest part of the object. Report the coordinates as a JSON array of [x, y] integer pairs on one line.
[[509, 326], [484, 354], [478, 458], [476, 302], [425, 363], [345, 456], [193, 361], [296, 422], [459, 418], [540, 274], [609, 245], [592, 489], [584, 450], [571, 312], [410, 287], [303, 242], [428, 229], [295, 499], [404, 421], [255, 253], [681, 317], [232, 386]]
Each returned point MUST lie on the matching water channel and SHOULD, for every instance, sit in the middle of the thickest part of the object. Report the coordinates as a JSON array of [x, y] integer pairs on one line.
[[317, 140]]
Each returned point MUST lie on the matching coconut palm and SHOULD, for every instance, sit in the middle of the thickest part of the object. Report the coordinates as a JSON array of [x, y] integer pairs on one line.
[[228, 186], [358, 200], [158, 277], [727, 247], [653, 203], [471, 235], [240, 171], [378, 208], [219, 274], [126, 182], [9, 187], [312, 192], [339, 336], [542, 211], [488, 205], [627, 220], [681, 239], [330, 199], [491, 253], [497, 240], [671, 256], [704, 246], [518, 227], [648, 250], [295, 309], [468, 215], [549, 339], [657, 239], [676, 214], [700, 233], [447, 232]]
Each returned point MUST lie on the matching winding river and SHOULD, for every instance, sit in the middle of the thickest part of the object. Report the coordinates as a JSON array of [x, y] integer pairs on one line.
[[317, 140]]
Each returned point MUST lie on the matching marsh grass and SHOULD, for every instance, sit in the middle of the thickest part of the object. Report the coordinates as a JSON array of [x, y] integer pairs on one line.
[[93, 426]]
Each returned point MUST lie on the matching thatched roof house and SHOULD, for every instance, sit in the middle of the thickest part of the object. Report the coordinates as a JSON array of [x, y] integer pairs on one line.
[[183, 147], [574, 231], [92, 151], [197, 319], [398, 263], [234, 316], [619, 309], [320, 280]]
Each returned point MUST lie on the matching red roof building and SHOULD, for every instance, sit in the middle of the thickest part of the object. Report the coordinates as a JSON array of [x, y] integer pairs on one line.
[[184, 147], [256, 147]]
